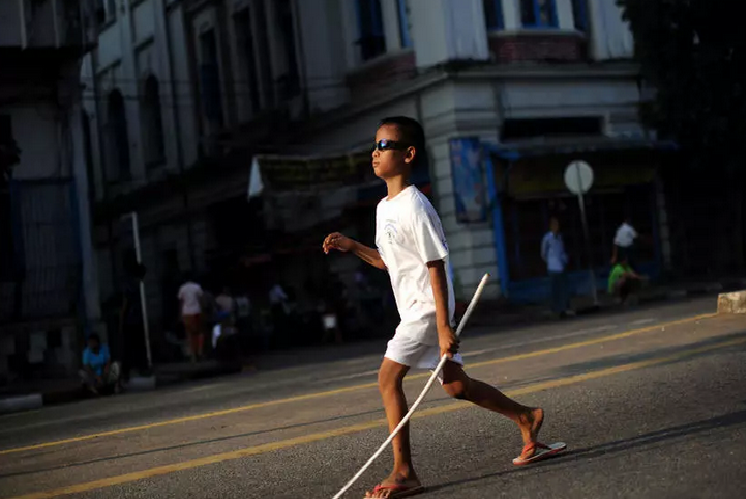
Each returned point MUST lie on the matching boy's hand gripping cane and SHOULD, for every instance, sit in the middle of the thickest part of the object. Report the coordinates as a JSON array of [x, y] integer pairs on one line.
[[417, 402]]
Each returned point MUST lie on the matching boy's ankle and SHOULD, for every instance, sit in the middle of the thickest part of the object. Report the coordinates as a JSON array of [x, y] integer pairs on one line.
[[405, 472]]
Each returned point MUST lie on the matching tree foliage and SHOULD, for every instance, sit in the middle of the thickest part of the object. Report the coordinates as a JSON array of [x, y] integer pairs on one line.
[[693, 53]]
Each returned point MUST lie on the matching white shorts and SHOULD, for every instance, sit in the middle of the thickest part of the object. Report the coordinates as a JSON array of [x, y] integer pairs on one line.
[[408, 352]]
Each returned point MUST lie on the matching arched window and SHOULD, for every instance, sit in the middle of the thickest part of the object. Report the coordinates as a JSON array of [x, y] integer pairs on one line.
[[152, 124], [118, 140]]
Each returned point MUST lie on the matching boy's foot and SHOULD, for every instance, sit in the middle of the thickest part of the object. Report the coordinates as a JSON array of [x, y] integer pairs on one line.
[[538, 452], [530, 426], [395, 487], [533, 450]]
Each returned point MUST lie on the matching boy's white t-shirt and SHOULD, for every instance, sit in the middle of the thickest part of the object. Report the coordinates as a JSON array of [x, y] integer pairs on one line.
[[190, 294], [408, 235]]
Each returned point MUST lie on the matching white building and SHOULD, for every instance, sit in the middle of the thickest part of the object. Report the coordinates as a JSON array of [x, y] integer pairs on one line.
[[48, 283], [183, 94]]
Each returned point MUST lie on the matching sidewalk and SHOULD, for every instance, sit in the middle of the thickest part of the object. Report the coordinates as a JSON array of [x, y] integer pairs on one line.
[[36, 393], [493, 314]]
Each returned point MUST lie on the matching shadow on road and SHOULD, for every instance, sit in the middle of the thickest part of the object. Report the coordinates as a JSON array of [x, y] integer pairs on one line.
[[666, 436], [681, 353], [182, 446]]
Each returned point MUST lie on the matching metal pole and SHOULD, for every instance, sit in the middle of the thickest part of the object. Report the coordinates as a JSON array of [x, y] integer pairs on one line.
[[586, 233], [143, 305], [587, 236]]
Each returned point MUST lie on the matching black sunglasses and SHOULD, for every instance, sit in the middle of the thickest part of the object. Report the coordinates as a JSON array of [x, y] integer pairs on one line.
[[389, 145]]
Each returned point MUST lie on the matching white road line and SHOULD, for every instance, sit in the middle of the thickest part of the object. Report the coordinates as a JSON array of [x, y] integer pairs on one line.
[[544, 339], [477, 352], [640, 322], [353, 376]]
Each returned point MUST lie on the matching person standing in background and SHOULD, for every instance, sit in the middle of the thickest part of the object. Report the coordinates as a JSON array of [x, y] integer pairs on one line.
[[190, 296], [624, 243], [553, 253]]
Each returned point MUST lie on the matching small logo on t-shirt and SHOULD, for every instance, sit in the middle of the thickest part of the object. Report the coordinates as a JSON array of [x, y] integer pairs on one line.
[[390, 231]]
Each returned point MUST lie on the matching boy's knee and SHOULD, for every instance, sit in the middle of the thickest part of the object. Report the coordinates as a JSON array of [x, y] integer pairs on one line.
[[389, 382], [457, 390]]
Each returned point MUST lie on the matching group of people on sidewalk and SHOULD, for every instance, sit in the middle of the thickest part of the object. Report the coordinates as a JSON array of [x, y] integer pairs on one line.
[[623, 281], [218, 318]]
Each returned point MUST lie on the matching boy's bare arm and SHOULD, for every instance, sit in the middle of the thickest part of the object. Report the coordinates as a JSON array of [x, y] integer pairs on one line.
[[369, 255], [343, 243], [446, 337]]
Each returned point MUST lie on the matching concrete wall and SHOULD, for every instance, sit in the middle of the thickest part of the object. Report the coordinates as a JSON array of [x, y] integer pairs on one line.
[[611, 36], [140, 43], [454, 110], [328, 51], [444, 30], [179, 97], [614, 99], [11, 27], [52, 146]]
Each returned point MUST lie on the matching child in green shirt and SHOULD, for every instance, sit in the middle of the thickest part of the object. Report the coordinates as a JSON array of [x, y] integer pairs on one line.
[[623, 280]]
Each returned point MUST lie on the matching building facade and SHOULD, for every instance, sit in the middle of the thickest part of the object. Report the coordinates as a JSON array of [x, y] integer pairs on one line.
[[48, 283], [184, 95]]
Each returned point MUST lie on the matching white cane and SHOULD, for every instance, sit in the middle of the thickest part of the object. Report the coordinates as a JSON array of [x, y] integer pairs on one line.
[[417, 402]]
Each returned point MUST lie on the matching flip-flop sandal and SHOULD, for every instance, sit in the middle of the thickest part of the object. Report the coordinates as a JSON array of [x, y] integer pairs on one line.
[[399, 491], [541, 452]]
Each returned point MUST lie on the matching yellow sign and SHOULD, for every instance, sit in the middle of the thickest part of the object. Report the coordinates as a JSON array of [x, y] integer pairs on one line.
[[537, 177], [285, 172]]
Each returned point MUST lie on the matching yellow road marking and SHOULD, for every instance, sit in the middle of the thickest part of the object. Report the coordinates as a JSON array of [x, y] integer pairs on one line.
[[380, 423], [316, 395]]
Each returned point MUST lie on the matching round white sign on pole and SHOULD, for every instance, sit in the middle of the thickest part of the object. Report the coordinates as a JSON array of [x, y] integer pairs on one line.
[[579, 177]]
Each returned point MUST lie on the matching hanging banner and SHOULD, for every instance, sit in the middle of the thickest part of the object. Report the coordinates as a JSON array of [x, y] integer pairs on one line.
[[468, 180], [282, 173]]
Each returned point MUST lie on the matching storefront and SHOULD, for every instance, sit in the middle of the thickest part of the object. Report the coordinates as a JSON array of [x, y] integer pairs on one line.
[[526, 187]]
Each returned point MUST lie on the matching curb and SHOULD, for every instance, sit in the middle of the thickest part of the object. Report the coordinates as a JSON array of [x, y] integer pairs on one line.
[[732, 303], [141, 384], [21, 403], [657, 296], [136, 384]]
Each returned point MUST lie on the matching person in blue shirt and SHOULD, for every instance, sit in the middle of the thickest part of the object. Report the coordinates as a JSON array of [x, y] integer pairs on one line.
[[553, 253], [99, 372]]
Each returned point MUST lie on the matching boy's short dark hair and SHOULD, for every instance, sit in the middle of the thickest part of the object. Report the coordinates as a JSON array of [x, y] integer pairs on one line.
[[411, 133]]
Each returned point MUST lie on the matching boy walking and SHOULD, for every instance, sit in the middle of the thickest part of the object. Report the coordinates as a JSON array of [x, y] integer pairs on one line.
[[411, 245]]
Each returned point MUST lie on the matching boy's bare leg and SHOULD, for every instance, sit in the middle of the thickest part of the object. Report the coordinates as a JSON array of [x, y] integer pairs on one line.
[[459, 385], [390, 378]]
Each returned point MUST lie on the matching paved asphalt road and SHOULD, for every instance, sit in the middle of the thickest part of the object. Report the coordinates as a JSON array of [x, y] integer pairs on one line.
[[652, 403]]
